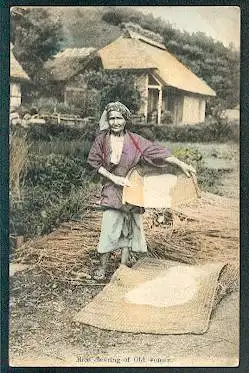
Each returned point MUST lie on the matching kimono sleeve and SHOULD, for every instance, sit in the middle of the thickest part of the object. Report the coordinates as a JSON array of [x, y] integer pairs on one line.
[[95, 156], [153, 153]]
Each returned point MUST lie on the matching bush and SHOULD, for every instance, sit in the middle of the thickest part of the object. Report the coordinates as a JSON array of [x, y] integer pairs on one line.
[[213, 131], [208, 178], [86, 103], [56, 172], [146, 131], [189, 155], [56, 188], [51, 104], [19, 152], [113, 86], [43, 210], [51, 132], [70, 148]]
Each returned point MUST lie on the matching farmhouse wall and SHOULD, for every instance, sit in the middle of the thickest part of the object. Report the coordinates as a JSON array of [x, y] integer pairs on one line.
[[15, 95], [232, 114], [193, 110]]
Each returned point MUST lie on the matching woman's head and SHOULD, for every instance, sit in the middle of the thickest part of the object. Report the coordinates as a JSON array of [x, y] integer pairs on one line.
[[121, 108], [116, 121], [115, 116]]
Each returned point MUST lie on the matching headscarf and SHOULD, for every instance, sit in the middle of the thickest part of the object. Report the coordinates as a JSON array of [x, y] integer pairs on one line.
[[113, 106]]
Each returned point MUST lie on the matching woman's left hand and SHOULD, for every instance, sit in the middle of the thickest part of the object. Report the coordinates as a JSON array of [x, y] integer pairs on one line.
[[188, 169]]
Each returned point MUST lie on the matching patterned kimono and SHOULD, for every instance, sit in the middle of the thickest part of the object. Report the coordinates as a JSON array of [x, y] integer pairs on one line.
[[122, 224]]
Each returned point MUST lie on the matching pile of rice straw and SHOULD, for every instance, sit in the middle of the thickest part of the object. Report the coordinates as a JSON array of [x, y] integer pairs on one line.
[[205, 230]]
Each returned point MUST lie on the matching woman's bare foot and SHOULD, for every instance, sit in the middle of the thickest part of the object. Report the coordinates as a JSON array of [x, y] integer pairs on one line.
[[99, 274]]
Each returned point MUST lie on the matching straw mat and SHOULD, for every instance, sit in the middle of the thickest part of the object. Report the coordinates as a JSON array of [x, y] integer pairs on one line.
[[131, 302]]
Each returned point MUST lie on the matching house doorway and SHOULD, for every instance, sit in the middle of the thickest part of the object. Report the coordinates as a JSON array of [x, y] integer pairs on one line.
[[153, 105]]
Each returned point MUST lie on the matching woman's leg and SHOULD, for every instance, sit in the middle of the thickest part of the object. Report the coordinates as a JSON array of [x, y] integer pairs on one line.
[[111, 227], [125, 255], [101, 271]]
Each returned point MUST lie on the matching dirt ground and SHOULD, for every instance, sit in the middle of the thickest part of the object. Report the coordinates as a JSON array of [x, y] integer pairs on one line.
[[43, 306], [43, 334]]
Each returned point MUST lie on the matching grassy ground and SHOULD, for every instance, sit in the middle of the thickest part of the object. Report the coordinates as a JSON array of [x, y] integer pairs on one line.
[[214, 154], [221, 162], [42, 332]]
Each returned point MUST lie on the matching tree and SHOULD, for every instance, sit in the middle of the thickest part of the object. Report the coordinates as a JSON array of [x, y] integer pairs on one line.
[[114, 86], [36, 37]]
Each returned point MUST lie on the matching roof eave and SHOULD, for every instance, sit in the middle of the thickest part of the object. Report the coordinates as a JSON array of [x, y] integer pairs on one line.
[[158, 76], [149, 69], [20, 79]]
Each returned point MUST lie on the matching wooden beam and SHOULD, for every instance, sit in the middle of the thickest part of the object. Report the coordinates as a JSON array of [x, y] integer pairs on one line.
[[154, 86], [159, 83], [76, 89], [159, 110], [147, 97]]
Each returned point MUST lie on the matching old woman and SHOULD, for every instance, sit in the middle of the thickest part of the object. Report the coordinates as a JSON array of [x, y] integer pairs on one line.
[[114, 153]]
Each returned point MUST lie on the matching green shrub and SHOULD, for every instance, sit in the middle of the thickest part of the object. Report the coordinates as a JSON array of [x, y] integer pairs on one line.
[[212, 131], [208, 178], [145, 131], [85, 102], [51, 104], [50, 132], [70, 148], [56, 188], [189, 155], [113, 86], [56, 172], [42, 210]]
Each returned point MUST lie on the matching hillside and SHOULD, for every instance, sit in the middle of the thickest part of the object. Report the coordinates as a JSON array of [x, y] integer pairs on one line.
[[84, 27]]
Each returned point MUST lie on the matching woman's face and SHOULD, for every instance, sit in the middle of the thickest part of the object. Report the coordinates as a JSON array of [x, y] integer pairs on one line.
[[116, 122]]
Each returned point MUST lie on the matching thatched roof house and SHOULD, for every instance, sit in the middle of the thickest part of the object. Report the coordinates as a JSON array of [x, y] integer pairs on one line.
[[168, 89], [18, 77], [165, 84], [68, 63], [138, 52]]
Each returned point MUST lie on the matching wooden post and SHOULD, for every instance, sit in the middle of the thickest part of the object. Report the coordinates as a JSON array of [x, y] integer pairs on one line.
[[65, 96], [146, 97], [159, 109]]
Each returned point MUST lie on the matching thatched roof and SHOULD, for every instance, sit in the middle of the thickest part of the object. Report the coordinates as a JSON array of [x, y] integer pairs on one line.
[[135, 31], [68, 63], [16, 70], [133, 52]]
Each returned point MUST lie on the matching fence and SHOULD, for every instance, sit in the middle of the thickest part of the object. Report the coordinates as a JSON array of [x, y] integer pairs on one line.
[[68, 120]]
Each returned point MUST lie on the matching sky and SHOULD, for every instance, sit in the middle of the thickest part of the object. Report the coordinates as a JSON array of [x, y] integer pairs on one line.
[[220, 22]]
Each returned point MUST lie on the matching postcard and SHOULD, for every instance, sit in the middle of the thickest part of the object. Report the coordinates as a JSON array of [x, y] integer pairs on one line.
[[124, 186]]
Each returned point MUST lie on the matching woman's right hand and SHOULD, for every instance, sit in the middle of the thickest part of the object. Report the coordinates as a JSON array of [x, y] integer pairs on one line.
[[122, 181]]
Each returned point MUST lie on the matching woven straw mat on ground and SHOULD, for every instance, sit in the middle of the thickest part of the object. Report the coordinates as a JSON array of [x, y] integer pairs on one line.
[[156, 296]]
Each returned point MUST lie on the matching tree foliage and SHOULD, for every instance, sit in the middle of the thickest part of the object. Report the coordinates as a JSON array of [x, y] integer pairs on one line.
[[36, 37], [111, 86]]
